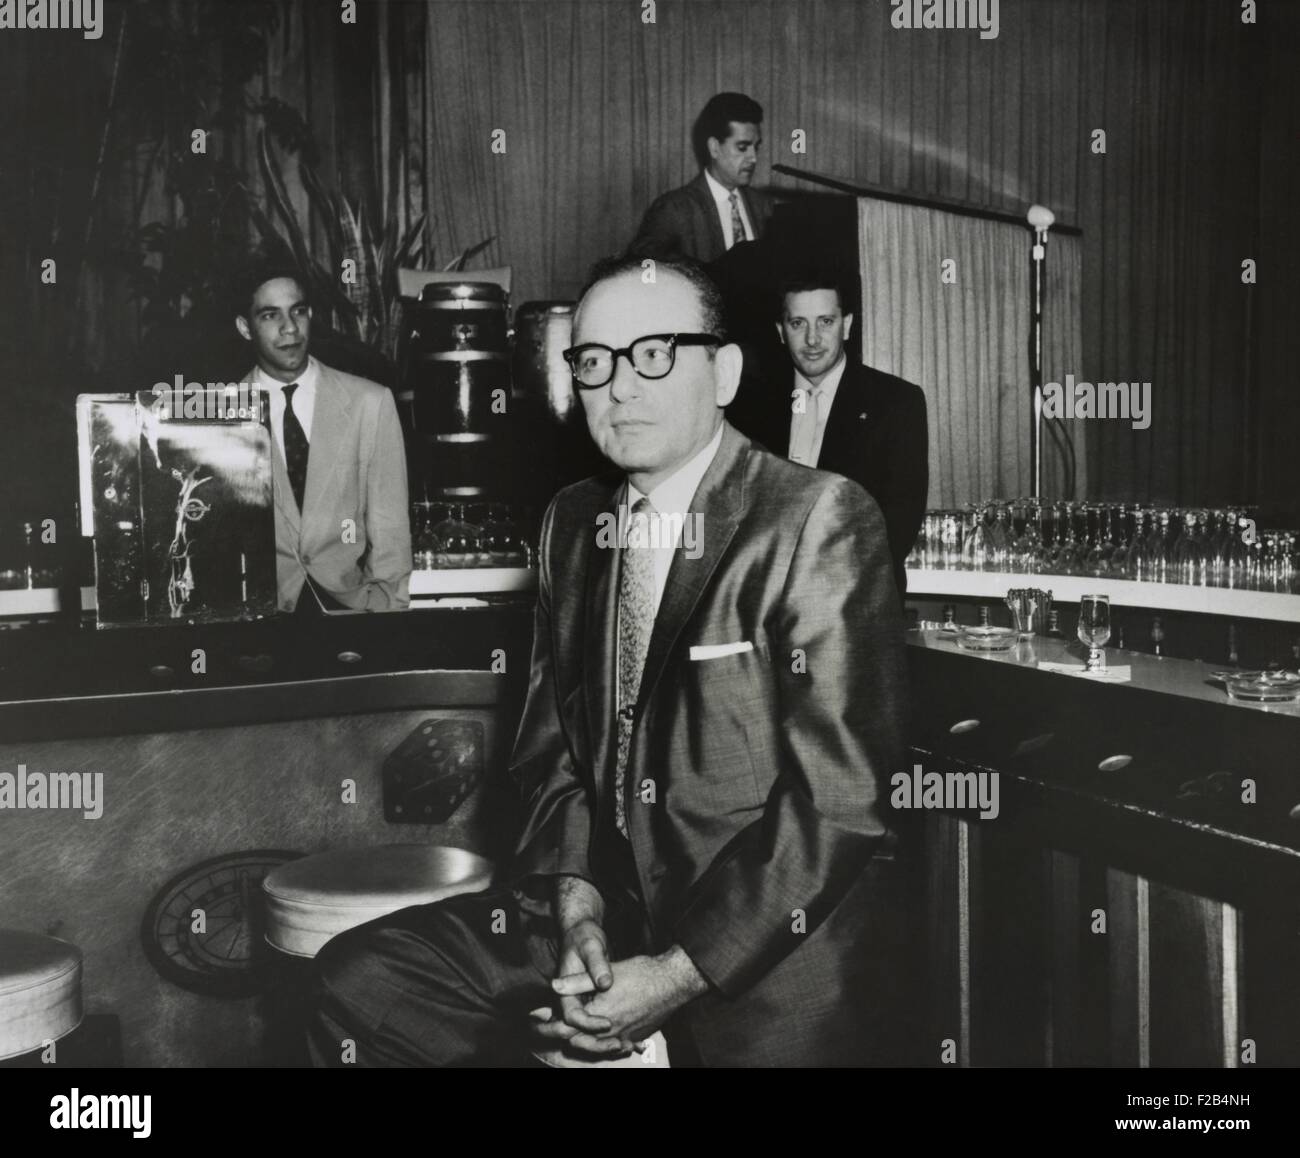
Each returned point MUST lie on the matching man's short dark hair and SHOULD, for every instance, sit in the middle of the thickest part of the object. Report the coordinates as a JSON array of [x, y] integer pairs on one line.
[[255, 277], [716, 117], [808, 283], [707, 295]]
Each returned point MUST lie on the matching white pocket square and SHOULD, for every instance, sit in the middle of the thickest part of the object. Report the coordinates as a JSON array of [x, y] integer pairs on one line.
[[718, 650]]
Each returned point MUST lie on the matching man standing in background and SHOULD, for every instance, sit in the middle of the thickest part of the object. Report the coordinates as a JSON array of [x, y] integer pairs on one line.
[[838, 415], [717, 210], [342, 517]]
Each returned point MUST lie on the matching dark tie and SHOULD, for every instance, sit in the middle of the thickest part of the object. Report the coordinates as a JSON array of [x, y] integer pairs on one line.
[[636, 617], [296, 447]]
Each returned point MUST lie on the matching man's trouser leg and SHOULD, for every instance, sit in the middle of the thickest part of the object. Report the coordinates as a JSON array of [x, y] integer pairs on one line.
[[447, 984]]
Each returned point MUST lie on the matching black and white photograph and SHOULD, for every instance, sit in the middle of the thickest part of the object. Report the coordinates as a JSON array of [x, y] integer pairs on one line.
[[649, 534]]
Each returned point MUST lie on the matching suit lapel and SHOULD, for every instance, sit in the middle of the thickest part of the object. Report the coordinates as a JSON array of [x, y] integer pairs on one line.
[[718, 503], [779, 435], [328, 424], [704, 198], [282, 489], [600, 638], [750, 209], [844, 425]]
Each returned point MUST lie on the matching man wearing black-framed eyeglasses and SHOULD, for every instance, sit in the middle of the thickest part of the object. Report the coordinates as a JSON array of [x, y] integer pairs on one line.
[[652, 356], [702, 756]]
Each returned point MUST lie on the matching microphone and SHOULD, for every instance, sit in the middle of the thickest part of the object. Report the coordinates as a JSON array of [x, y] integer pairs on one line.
[[1041, 218]]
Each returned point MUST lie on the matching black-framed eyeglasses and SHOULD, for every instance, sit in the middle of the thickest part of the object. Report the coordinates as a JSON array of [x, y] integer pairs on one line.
[[652, 356]]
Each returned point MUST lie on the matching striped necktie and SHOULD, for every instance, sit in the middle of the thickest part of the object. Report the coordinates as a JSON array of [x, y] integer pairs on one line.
[[636, 617]]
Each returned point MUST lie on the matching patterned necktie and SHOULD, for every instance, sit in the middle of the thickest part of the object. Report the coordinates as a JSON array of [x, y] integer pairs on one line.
[[805, 429], [296, 447], [636, 616], [737, 224]]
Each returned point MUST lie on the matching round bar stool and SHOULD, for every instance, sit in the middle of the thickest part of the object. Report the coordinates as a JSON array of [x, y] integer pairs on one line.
[[40, 991], [311, 900]]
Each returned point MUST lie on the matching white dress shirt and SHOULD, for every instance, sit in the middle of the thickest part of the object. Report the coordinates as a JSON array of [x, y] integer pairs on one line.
[[672, 498], [807, 429], [722, 197], [304, 399]]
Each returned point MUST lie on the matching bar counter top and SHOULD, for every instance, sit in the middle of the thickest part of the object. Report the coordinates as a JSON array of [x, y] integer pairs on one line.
[[1163, 774], [59, 681], [1190, 679], [1236, 603]]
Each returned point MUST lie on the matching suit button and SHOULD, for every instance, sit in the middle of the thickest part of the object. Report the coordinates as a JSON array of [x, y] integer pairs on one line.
[[306, 560]]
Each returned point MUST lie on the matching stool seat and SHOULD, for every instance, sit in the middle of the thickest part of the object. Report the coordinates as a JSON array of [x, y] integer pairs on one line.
[[311, 900], [654, 1058], [40, 991]]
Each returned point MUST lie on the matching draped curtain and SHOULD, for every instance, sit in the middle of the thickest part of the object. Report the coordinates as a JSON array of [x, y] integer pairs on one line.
[[594, 108], [964, 339]]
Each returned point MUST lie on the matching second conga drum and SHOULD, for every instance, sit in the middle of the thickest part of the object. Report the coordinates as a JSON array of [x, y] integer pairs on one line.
[[456, 382], [543, 331]]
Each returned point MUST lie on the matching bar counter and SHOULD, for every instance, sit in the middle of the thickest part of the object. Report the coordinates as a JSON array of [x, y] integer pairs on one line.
[[281, 742], [58, 681], [1075, 928], [1145, 862]]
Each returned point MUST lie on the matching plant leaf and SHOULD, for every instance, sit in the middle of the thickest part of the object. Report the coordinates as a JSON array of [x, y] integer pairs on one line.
[[457, 264]]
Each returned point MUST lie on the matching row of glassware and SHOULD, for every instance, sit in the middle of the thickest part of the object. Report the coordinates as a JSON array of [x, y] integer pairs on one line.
[[456, 535], [1219, 547]]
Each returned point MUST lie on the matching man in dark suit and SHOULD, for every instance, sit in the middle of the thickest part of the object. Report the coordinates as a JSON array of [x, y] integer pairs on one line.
[[717, 210], [342, 519], [714, 707], [840, 416]]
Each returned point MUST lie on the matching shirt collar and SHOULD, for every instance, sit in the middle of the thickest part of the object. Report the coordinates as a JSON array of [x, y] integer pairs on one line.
[[673, 496], [306, 380], [829, 384], [721, 194]]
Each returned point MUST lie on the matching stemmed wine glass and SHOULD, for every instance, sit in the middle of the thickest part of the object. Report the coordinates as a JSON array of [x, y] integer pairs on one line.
[[1094, 629]]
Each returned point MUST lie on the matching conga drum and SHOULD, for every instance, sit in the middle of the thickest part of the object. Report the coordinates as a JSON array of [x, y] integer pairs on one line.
[[456, 383], [564, 452], [543, 331]]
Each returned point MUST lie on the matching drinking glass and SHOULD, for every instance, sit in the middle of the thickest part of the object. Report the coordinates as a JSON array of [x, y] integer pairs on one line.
[[1189, 552], [1097, 557], [999, 540], [1094, 629], [1121, 529], [972, 538], [459, 538], [950, 536], [424, 540], [1135, 567], [1155, 560], [1026, 547]]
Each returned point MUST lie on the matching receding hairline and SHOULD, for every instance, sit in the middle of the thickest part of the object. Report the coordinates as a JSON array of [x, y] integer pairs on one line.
[[701, 307]]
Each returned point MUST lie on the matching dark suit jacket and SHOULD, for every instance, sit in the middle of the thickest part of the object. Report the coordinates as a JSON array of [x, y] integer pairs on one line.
[[769, 766], [685, 223], [354, 534], [876, 435]]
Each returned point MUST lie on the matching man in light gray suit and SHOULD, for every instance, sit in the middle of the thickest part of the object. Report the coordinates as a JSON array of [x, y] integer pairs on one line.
[[342, 522]]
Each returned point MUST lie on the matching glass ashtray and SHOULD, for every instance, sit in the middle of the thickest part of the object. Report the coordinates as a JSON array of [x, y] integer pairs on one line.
[[1262, 687], [978, 638]]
